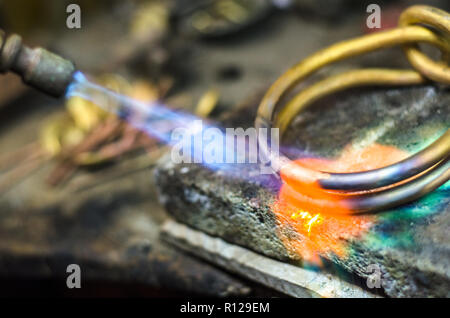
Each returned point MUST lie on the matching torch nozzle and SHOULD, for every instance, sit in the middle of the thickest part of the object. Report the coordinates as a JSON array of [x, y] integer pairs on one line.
[[38, 67]]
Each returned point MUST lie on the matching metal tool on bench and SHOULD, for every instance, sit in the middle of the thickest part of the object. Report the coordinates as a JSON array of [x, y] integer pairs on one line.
[[385, 187]]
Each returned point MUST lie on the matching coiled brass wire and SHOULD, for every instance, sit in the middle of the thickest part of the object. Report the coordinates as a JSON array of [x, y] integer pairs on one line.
[[388, 186]]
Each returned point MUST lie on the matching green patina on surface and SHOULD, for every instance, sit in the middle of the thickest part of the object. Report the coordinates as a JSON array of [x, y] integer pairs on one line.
[[395, 228]]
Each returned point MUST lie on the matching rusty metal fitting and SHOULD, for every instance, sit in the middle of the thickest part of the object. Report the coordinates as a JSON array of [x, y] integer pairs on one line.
[[38, 67]]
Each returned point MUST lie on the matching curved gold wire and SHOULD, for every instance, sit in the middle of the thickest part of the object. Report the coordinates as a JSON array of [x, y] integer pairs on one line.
[[437, 19], [431, 163], [341, 51], [339, 82]]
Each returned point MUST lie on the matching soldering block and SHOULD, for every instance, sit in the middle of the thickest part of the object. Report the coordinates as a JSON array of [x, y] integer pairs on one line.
[[409, 245]]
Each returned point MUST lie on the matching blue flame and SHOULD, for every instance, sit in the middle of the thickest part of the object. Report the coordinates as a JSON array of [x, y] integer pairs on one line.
[[202, 142], [153, 118]]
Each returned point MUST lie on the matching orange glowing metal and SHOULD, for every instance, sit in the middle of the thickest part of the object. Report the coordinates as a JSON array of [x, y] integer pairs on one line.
[[311, 230]]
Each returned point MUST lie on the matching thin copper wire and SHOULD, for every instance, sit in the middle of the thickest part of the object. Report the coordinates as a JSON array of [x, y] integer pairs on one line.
[[418, 174]]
